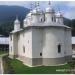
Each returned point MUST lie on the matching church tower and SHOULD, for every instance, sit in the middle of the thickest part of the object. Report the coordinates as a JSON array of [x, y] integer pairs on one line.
[[49, 14], [59, 18], [36, 14], [16, 24]]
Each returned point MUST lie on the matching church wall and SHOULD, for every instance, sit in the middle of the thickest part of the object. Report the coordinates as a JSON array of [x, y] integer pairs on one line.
[[68, 42], [13, 48], [25, 44], [11, 52], [48, 17], [37, 18], [52, 38], [37, 41]]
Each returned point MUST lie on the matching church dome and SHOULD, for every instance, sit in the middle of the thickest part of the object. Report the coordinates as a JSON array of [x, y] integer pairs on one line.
[[16, 21], [36, 11], [49, 9], [29, 14], [59, 14], [25, 20]]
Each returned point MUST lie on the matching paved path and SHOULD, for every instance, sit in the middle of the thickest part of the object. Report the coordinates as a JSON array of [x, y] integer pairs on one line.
[[1, 69], [1, 64]]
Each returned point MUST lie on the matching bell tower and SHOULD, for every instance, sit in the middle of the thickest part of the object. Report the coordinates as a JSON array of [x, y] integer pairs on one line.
[[49, 14], [16, 24]]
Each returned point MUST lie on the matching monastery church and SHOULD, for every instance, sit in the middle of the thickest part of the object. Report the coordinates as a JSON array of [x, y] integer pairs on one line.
[[44, 40]]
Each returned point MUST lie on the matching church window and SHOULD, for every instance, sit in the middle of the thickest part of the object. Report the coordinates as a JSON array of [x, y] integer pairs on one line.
[[23, 49], [40, 54], [28, 41], [41, 19], [52, 18], [59, 48], [11, 48]]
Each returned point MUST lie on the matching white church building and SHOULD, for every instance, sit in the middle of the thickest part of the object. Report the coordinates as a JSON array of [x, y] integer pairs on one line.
[[44, 39]]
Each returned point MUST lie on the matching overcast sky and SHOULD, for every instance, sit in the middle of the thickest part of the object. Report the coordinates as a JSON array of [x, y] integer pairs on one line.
[[66, 7]]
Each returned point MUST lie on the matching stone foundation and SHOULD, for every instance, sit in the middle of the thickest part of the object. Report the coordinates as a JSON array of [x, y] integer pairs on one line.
[[43, 61], [56, 61], [13, 56]]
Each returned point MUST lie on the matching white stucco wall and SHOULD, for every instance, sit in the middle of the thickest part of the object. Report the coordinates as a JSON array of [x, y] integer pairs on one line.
[[37, 18], [68, 42], [25, 39], [37, 42], [14, 44], [10, 45], [52, 38], [48, 17]]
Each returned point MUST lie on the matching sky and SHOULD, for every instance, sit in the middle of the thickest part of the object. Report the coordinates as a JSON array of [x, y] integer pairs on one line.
[[67, 8]]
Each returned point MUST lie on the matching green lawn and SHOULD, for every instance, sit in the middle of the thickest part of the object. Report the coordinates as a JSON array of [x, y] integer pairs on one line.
[[3, 52], [15, 66]]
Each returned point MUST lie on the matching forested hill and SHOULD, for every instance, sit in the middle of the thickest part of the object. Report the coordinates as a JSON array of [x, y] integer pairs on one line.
[[8, 14]]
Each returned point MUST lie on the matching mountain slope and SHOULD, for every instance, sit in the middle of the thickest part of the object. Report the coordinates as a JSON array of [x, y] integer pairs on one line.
[[8, 15]]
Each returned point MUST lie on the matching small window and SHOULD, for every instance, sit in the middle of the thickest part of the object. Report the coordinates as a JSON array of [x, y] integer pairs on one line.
[[28, 41], [11, 48], [41, 19], [52, 18], [59, 48], [40, 54], [23, 49]]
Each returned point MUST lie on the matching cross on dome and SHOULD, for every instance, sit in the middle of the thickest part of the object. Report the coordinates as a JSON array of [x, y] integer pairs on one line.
[[37, 8], [31, 6], [49, 8], [49, 3]]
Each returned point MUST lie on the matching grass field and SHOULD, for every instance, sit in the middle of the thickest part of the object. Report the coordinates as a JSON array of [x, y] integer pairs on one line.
[[3, 52], [14, 66]]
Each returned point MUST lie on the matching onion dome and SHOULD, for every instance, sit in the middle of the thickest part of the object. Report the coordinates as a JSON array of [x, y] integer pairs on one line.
[[59, 14], [16, 21], [49, 8], [37, 9]]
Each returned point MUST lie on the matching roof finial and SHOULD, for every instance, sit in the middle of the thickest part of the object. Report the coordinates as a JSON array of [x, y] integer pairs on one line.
[[31, 6], [49, 3], [35, 5], [38, 3]]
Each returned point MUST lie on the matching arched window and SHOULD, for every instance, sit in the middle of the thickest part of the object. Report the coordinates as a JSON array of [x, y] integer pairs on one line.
[[52, 18], [11, 48], [59, 48], [41, 19], [28, 41], [40, 54]]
